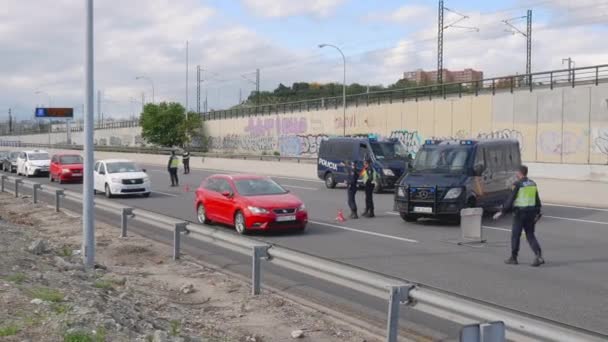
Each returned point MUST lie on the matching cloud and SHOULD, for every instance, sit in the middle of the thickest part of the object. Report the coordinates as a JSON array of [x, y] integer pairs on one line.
[[405, 15], [287, 8]]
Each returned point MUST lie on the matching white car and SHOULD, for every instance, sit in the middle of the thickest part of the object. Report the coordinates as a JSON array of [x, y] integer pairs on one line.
[[121, 177], [33, 163]]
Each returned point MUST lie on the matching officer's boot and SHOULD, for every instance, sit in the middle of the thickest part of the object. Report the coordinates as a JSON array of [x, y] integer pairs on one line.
[[370, 214], [538, 261], [511, 261], [353, 215], [365, 213]]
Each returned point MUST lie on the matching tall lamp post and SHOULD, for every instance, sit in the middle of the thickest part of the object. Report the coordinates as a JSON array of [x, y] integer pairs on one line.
[[151, 84], [343, 85]]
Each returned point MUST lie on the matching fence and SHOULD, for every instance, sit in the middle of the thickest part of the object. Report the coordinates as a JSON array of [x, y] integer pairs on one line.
[[75, 127], [426, 299], [548, 79]]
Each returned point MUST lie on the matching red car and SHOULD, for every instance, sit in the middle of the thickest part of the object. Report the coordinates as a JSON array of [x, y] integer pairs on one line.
[[66, 168], [249, 203]]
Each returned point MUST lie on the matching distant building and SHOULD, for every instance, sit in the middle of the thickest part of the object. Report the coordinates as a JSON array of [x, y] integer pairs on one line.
[[422, 77]]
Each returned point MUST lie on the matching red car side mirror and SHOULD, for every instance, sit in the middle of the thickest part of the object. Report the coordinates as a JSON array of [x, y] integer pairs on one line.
[[227, 194]]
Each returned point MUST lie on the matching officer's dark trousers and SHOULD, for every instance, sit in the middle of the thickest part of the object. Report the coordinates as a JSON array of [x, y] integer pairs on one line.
[[186, 166], [352, 204], [369, 197], [173, 174], [524, 221]]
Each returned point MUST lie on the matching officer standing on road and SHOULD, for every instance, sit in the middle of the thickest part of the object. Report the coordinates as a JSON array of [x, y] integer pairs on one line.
[[172, 168], [370, 178], [526, 206], [352, 176], [186, 161]]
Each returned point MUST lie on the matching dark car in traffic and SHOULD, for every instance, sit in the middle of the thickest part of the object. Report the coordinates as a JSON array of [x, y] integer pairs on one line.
[[9, 162], [448, 176]]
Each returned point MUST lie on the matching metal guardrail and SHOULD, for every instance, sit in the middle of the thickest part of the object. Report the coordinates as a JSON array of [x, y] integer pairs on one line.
[[540, 80], [460, 309]]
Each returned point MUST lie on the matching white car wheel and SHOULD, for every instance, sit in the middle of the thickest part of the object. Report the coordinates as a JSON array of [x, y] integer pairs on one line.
[[108, 192]]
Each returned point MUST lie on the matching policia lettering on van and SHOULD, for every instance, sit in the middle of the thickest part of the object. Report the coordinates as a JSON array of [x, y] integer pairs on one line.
[[448, 176], [389, 158]]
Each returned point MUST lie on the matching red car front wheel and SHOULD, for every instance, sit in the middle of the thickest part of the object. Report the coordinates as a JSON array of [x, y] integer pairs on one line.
[[239, 223]]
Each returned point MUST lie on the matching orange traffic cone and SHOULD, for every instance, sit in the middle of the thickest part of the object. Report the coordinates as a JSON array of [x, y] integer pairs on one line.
[[340, 217]]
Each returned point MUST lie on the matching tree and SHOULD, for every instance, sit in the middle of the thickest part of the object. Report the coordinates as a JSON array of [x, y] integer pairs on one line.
[[165, 124]]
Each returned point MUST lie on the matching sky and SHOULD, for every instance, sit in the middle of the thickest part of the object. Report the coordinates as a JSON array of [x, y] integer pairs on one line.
[[42, 46]]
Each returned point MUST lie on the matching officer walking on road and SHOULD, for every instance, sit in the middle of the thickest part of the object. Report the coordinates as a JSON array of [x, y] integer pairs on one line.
[[172, 168], [370, 178], [352, 176], [526, 206], [186, 161]]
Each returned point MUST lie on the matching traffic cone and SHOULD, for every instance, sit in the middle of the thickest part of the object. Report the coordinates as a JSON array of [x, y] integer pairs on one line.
[[340, 217]]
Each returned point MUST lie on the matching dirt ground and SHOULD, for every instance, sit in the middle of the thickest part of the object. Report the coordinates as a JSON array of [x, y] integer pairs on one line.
[[136, 294]]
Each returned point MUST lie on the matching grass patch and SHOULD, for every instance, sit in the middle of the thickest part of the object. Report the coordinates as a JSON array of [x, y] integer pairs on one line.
[[9, 330], [102, 284], [16, 278], [78, 336], [175, 327], [47, 294]]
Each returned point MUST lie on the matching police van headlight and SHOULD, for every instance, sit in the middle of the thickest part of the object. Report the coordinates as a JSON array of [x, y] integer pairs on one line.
[[388, 172], [400, 192], [453, 193]]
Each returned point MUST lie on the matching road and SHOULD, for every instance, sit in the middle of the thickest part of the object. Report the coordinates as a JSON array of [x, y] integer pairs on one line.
[[571, 288]]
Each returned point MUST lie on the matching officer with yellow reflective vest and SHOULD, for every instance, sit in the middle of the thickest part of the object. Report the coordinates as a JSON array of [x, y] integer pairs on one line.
[[370, 179], [525, 203], [172, 168]]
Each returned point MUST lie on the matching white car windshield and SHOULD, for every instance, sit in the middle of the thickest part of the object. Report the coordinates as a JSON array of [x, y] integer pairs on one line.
[[38, 156], [120, 167]]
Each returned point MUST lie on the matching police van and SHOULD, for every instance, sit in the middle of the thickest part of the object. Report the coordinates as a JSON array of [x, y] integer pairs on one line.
[[389, 159], [447, 176]]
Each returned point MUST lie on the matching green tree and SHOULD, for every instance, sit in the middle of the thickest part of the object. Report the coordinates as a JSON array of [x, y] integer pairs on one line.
[[165, 124]]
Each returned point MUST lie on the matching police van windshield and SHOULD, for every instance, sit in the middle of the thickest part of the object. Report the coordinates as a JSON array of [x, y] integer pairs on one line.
[[442, 159], [389, 150]]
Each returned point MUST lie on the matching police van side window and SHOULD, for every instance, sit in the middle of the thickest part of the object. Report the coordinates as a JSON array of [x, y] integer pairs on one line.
[[492, 159]]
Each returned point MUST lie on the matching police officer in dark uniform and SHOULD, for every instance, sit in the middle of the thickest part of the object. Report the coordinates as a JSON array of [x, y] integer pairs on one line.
[[370, 178], [186, 161], [352, 176], [525, 203]]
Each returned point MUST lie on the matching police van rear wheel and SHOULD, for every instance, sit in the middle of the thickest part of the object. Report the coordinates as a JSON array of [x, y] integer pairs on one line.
[[330, 181]]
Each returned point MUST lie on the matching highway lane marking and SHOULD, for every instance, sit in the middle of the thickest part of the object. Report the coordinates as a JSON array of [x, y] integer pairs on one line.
[[364, 232], [299, 187], [164, 193], [573, 206], [497, 228], [576, 220]]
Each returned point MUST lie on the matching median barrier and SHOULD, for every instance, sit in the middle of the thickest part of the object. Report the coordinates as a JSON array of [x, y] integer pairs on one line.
[[438, 303]]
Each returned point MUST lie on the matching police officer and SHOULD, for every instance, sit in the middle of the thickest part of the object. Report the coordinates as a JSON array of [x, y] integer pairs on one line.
[[352, 176], [186, 161], [370, 178], [526, 206], [172, 168]]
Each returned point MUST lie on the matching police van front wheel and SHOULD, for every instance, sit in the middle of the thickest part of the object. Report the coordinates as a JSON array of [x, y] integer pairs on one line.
[[408, 218], [330, 181]]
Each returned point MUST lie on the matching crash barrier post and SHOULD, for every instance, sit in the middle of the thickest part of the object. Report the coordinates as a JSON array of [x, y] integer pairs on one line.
[[35, 188], [484, 332], [259, 252], [58, 195], [17, 182], [397, 295], [125, 214], [179, 228], [3, 180], [470, 226]]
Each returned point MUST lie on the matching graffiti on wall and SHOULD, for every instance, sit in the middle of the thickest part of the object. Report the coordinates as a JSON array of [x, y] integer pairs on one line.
[[350, 121], [410, 139], [504, 134], [278, 126], [601, 141], [556, 143], [234, 142]]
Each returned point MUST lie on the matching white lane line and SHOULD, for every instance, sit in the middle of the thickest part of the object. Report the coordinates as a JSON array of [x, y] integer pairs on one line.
[[576, 220], [573, 206], [497, 228], [364, 232], [393, 213], [299, 187], [164, 193]]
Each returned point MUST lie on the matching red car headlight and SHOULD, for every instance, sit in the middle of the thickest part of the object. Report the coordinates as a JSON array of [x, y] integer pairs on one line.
[[302, 207]]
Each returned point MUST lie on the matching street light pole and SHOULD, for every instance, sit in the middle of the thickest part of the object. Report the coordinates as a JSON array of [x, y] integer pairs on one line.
[[151, 84], [88, 207], [343, 85]]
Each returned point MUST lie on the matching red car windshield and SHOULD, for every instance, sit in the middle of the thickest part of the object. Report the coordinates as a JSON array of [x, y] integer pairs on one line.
[[258, 187], [70, 160]]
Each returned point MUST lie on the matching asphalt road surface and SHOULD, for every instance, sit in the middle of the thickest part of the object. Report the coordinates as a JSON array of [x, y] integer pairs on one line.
[[571, 287]]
